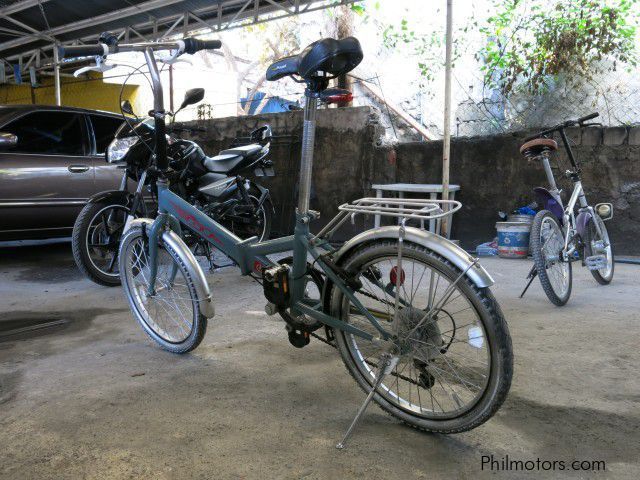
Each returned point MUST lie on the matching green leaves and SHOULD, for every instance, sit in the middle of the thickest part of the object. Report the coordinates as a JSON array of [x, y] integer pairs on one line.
[[530, 42]]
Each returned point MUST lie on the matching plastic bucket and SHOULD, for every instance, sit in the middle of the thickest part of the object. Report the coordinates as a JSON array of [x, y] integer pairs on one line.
[[513, 239], [517, 218]]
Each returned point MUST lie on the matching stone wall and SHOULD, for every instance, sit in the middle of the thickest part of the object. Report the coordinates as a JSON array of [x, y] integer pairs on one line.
[[492, 173]]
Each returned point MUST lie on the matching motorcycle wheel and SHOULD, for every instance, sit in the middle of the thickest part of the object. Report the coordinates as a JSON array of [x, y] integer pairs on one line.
[[96, 240]]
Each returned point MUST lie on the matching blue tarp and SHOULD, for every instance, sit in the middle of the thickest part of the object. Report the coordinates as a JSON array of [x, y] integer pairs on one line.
[[274, 104]]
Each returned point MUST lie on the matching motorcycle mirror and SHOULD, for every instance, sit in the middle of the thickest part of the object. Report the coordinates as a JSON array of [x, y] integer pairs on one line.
[[192, 97], [126, 107]]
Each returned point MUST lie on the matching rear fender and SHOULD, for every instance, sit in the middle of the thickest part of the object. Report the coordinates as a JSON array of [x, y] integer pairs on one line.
[[173, 240], [430, 241]]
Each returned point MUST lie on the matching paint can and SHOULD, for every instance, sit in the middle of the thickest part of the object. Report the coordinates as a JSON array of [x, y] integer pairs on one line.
[[513, 239]]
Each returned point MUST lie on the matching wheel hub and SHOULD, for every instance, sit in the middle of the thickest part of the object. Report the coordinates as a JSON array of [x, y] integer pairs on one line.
[[426, 337]]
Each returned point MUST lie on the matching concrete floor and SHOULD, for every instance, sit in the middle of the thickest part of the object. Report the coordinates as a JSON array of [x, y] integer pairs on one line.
[[94, 398]]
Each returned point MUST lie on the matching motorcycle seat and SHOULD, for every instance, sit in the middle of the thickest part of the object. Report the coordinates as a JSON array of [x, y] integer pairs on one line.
[[233, 159]]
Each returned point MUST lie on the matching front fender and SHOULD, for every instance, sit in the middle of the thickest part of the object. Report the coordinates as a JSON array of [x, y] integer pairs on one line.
[[119, 197], [440, 245], [173, 240]]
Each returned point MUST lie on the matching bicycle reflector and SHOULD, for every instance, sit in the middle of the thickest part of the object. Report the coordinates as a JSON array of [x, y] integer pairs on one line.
[[393, 276], [336, 95]]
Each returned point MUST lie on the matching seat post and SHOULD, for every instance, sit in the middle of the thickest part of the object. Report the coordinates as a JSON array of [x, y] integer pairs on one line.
[[308, 140]]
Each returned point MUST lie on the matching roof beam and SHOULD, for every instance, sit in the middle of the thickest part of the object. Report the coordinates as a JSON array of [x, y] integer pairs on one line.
[[19, 6], [89, 22], [211, 18]]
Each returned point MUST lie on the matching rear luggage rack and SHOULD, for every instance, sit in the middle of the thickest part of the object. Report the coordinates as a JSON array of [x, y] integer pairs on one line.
[[404, 209]]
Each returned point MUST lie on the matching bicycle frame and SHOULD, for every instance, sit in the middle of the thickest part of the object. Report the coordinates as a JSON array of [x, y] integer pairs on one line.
[[574, 224], [251, 255]]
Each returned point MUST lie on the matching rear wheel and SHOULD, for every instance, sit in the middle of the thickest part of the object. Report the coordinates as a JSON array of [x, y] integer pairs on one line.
[[96, 239], [599, 244], [546, 245], [455, 363], [256, 224]]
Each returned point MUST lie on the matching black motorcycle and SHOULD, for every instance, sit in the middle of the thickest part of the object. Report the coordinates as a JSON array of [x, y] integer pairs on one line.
[[215, 185]]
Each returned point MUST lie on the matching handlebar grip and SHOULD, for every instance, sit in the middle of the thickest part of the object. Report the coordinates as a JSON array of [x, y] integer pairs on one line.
[[588, 117], [193, 45], [82, 50]]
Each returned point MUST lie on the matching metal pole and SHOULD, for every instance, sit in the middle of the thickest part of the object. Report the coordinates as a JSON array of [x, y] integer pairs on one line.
[[306, 164], [446, 141], [56, 74]]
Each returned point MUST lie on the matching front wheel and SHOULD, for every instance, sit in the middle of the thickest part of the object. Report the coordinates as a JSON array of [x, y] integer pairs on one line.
[[96, 239], [599, 244], [170, 314], [455, 357], [546, 246]]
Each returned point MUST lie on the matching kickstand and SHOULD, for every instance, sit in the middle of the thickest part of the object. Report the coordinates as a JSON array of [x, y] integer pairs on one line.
[[533, 273], [387, 364]]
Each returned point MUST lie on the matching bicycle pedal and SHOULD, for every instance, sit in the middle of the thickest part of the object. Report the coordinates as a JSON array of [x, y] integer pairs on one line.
[[271, 309], [596, 262], [298, 338]]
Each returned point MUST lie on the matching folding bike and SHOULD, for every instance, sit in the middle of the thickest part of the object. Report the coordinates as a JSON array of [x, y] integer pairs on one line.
[[410, 312], [559, 237]]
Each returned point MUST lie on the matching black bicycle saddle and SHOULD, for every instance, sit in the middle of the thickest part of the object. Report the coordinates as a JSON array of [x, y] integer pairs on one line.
[[323, 58]]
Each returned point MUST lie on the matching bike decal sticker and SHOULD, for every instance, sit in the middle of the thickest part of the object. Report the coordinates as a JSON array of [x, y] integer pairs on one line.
[[191, 221]]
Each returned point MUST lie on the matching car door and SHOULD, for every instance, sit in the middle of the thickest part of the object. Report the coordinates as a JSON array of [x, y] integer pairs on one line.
[[47, 177], [107, 176]]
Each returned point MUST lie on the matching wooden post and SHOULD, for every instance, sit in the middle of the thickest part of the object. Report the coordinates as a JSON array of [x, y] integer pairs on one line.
[[446, 141]]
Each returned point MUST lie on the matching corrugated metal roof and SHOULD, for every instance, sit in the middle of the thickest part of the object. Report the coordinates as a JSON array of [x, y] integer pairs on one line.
[[28, 25]]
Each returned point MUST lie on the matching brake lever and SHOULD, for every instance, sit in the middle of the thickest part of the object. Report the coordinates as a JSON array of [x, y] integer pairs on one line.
[[174, 55], [100, 66]]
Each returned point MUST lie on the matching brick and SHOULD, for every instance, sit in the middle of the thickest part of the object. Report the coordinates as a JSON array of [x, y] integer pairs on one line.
[[591, 136], [634, 136], [614, 136]]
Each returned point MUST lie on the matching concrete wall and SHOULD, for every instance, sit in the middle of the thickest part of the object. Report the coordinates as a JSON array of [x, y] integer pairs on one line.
[[492, 173], [345, 151]]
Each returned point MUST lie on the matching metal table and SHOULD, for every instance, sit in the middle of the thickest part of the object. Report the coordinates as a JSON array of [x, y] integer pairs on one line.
[[433, 189]]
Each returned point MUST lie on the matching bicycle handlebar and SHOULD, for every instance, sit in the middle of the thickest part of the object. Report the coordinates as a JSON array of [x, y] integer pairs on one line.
[[193, 45], [560, 126], [188, 45], [82, 50]]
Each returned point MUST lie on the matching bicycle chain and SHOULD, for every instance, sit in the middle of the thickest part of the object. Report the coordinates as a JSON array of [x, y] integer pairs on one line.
[[371, 364]]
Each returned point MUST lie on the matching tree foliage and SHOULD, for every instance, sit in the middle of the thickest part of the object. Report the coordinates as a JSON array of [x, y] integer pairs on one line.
[[525, 43], [528, 42]]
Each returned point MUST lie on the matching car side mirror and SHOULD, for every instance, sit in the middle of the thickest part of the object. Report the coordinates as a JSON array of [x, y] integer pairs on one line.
[[8, 139], [193, 96]]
